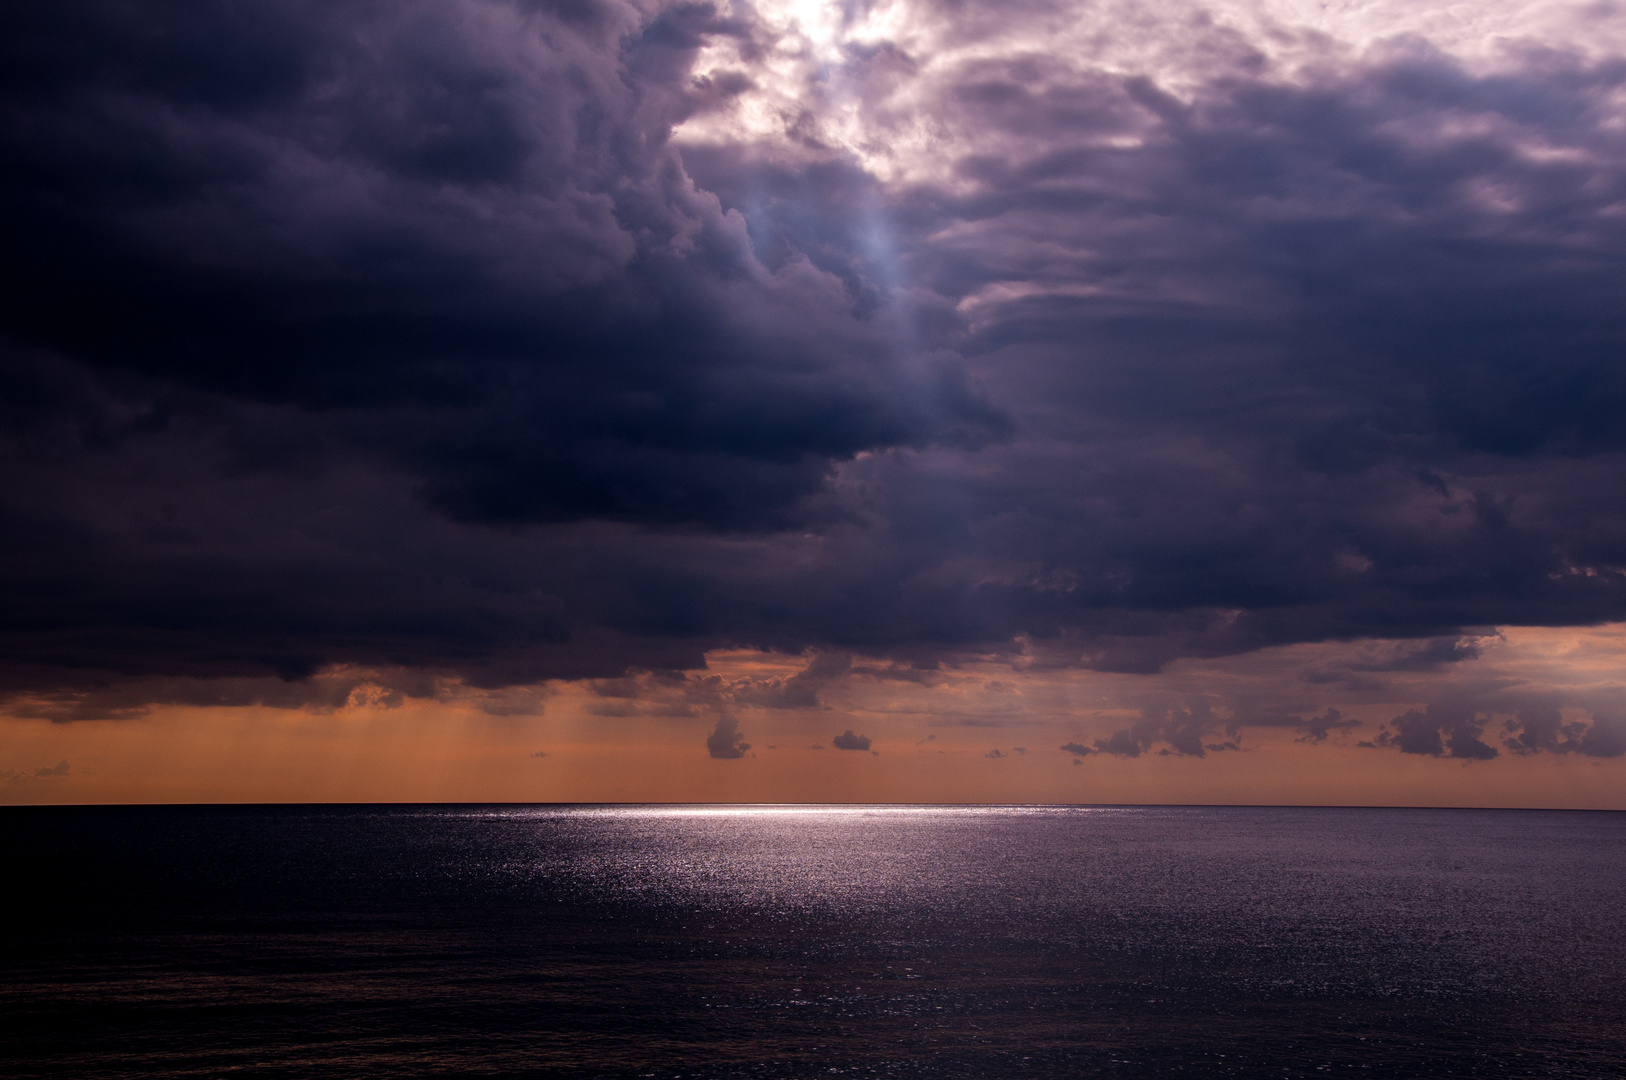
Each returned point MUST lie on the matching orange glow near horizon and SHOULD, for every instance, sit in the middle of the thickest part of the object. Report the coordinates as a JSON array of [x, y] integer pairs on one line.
[[931, 740]]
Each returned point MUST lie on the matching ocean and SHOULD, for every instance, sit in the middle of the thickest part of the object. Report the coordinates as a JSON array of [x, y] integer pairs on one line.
[[801, 941]]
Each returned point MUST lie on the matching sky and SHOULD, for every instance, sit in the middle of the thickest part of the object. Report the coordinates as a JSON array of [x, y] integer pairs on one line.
[[576, 400]]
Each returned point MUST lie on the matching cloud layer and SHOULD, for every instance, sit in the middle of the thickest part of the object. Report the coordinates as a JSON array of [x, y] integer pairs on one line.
[[488, 343]]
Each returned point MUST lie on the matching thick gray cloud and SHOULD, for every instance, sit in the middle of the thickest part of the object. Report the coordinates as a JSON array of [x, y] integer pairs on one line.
[[848, 741], [408, 338]]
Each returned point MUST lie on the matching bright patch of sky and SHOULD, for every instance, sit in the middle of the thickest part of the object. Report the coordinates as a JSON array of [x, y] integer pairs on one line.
[[872, 81]]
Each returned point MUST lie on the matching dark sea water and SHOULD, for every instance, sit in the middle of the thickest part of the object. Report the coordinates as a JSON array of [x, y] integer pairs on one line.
[[800, 942]]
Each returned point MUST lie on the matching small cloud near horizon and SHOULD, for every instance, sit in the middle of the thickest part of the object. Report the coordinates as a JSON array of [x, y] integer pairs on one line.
[[725, 741]]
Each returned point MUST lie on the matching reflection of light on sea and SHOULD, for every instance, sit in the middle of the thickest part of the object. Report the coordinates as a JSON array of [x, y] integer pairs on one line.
[[802, 810], [785, 860]]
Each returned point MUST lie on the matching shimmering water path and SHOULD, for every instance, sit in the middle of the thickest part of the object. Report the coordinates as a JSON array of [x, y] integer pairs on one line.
[[797, 942]]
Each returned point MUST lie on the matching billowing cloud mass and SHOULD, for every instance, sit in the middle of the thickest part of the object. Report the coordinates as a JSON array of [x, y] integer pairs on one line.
[[445, 349]]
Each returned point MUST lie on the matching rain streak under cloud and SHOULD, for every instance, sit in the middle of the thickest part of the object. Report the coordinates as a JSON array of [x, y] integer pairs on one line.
[[1164, 377]]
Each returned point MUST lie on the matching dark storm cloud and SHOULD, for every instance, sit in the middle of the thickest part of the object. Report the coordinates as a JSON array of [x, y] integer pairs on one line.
[[1319, 369], [402, 337], [456, 231], [280, 261], [848, 741]]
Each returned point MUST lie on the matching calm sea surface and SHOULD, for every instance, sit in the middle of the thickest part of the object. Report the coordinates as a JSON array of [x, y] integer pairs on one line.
[[798, 942]]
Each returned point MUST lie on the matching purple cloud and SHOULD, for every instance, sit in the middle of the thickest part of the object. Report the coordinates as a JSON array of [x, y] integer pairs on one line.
[[465, 342]]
